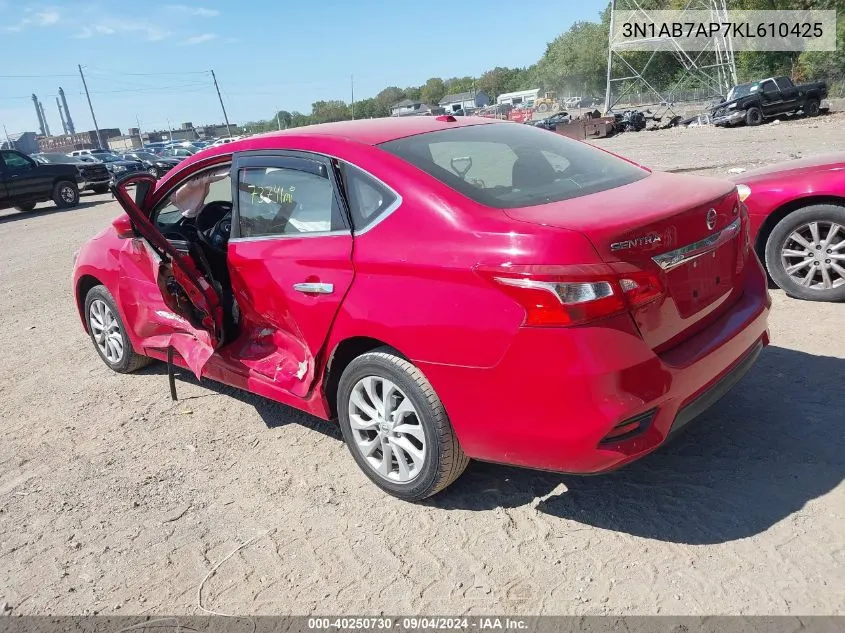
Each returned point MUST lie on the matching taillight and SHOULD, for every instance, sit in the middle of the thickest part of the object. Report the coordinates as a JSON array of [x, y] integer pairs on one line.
[[572, 295]]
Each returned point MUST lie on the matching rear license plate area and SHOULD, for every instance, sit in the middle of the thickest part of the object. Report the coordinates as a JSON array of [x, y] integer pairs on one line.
[[703, 280]]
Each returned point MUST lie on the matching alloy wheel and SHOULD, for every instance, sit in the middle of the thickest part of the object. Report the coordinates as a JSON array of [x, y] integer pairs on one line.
[[106, 331], [386, 429], [68, 194], [813, 255]]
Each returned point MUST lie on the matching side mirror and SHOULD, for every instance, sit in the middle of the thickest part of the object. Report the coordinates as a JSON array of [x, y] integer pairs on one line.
[[123, 227]]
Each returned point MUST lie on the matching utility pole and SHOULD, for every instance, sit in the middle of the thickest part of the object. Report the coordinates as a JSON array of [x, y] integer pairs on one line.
[[91, 107], [352, 89], [609, 60], [225, 116], [8, 140], [169, 130], [279, 120]]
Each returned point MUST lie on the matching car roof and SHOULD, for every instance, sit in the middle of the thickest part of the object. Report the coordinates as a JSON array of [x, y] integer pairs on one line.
[[366, 131]]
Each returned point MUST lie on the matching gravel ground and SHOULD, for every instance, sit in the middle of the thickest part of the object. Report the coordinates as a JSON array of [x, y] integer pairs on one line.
[[115, 500]]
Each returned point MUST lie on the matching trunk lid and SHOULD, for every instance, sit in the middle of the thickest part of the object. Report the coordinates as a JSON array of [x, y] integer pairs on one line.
[[686, 229]]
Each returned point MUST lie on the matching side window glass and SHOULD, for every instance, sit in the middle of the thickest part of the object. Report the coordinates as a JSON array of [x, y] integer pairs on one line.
[[783, 83], [189, 198], [368, 198], [282, 201], [15, 162], [769, 86]]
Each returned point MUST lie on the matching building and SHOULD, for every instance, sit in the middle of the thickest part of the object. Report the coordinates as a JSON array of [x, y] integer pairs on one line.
[[186, 133], [124, 143], [26, 142], [465, 101], [404, 107], [407, 107], [527, 97], [215, 131], [82, 140]]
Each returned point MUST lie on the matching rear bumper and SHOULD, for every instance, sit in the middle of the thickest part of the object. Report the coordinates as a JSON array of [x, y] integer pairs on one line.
[[553, 399]]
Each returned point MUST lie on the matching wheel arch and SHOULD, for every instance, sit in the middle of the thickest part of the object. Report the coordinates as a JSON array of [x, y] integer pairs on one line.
[[65, 178], [83, 287], [344, 353], [784, 210]]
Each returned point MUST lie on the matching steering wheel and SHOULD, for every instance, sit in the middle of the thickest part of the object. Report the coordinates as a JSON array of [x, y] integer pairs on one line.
[[221, 231], [207, 234]]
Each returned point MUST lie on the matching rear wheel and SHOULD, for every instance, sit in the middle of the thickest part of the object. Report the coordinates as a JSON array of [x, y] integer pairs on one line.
[[805, 253], [811, 107], [754, 116], [109, 334], [29, 206], [66, 194], [396, 427]]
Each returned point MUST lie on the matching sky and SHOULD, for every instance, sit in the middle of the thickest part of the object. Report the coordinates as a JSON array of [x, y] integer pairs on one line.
[[147, 62]]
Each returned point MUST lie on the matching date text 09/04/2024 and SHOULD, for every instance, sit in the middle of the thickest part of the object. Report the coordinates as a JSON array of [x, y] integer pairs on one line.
[[418, 623]]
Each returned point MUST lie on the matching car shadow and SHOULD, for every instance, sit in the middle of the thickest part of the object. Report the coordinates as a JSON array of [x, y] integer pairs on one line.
[[772, 445], [769, 447], [272, 413], [13, 215]]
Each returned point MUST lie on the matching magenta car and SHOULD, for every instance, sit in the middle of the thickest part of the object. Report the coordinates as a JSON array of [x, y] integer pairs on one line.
[[797, 212]]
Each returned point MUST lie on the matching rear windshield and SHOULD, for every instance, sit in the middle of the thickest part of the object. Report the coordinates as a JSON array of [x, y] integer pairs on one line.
[[511, 165]]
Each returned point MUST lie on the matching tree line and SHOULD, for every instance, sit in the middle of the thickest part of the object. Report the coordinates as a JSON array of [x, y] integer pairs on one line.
[[575, 63]]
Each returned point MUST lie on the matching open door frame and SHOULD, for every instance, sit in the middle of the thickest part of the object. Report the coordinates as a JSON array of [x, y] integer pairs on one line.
[[184, 288]]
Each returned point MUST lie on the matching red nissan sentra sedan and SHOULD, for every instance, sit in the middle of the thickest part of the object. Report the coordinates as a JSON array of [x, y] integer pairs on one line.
[[447, 289]]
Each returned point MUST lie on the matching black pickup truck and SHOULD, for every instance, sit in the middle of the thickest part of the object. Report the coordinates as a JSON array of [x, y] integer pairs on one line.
[[24, 182], [753, 102]]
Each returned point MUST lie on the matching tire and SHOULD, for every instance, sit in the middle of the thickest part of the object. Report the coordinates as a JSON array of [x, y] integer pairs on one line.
[[152, 171], [101, 189], [65, 194], [811, 107], [543, 107], [825, 216], [129, 360], [29, 206], [753, 116], [443, 460]]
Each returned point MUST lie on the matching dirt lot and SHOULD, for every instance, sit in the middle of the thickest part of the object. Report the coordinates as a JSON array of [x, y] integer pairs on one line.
[[114, 500]]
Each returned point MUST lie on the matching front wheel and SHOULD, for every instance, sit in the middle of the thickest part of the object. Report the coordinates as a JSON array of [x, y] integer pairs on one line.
[[805, 253], [109, 334], [754, 116], [28, 206], [396, 427], [65, 194], [811, 107], [101, 189]]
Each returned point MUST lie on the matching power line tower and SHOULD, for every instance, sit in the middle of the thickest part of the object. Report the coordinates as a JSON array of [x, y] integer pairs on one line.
[[711, 70]]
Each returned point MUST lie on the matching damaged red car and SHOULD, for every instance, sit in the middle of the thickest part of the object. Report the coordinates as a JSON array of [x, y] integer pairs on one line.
[[447, 289]]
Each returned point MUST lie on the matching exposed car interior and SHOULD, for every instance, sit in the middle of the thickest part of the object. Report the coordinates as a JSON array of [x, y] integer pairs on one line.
[[200, 224], [196, 217]]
